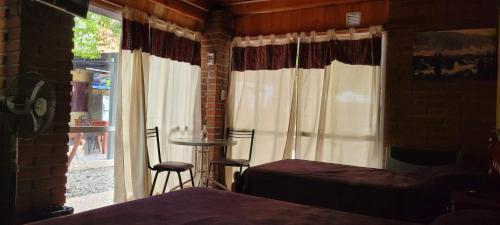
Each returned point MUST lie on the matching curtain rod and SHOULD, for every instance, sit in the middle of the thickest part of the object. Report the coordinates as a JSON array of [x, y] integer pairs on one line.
[[176, 27], [347, 31]]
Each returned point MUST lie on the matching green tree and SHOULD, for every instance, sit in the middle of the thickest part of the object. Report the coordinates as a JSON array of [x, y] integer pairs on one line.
[[95, 35]]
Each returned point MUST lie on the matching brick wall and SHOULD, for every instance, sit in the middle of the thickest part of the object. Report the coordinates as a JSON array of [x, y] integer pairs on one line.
[[40, 39], [437, 114], [9, 48], [214, 78]]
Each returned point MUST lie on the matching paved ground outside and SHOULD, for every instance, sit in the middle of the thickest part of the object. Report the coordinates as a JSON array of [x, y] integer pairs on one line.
[[90, 182], [92, 201]]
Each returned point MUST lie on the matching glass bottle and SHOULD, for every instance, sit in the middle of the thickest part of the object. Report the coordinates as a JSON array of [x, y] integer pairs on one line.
[[204, 132]]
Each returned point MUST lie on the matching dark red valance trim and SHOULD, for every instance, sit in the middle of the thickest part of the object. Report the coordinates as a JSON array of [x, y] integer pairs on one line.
[[135, 35], [168, 45], [163, 44], [353, 52], [311, 55], [268, 57]]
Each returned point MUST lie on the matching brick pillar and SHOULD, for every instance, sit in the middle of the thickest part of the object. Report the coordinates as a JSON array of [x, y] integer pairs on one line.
[[9, 49], [214, 78], [39, 38]]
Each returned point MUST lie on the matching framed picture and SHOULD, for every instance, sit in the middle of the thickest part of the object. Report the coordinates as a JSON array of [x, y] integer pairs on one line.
[[470, 53]]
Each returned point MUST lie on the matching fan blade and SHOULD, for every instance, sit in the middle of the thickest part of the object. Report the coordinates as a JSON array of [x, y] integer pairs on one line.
[[35, 123], [37, 88]]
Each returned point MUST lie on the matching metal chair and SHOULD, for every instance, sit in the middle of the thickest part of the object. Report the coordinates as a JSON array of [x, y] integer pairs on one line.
[[222, 163], [168, 166]]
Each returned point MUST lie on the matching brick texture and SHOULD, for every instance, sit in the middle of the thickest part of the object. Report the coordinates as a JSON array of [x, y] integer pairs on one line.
[[39, 38], [451, 114], [214, 78]]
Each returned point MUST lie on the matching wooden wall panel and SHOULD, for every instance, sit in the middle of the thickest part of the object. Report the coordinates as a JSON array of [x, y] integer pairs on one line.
[[318, 19]]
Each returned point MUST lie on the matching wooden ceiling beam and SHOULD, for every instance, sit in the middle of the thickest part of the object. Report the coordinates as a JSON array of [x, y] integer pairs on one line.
[[205, 5], [260, 6], [183, 7], [176, 11]]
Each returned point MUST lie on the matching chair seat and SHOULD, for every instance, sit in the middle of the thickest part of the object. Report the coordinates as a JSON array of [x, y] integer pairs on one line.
[[231, 162], [172, 166]]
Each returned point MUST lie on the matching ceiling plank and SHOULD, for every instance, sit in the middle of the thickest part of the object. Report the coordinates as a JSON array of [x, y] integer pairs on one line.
[[259, 7], [183, 8], [311, 19], [205, 5], [175, 11]]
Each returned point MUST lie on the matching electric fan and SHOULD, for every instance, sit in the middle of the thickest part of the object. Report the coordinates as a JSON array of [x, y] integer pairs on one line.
[[26, 110]]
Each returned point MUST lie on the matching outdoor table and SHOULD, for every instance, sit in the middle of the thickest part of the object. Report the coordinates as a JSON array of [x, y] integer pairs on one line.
[[203, 146], [77, 134]]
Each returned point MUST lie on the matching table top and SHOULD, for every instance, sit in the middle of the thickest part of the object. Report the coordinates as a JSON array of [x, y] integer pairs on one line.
[[91, 129], [201, 142]]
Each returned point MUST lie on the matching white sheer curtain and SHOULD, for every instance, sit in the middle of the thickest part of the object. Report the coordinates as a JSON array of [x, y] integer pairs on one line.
[[173, 106], [339, 111], [173, 100], [260, 98], [132, 179], [327, 106], [156, 87]]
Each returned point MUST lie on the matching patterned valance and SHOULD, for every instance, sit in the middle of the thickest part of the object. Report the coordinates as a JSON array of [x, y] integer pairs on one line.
[[267, 57], [169, 45], [141, 36], [135, 35], [353, 52], [315, 51]]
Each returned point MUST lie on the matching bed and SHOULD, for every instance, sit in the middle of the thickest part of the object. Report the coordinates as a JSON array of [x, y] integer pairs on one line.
[[201, 206], [469, 217], [413, 196]]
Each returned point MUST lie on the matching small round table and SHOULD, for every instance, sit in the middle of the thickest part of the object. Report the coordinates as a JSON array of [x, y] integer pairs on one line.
[[199, 144]]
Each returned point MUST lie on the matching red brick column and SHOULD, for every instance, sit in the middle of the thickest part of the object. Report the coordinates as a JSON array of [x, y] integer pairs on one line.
[[39, 38], [214, 78], [9, 55]]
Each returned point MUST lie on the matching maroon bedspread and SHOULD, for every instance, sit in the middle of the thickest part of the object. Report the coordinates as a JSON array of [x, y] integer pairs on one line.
[[469, 217], [198, 206], [418, 196]]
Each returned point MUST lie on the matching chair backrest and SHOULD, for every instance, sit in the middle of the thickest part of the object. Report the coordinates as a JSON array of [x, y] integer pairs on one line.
[[494, 164], [241, 134], [153, 133]]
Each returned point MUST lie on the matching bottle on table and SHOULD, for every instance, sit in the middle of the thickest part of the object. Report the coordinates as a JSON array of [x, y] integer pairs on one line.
[[204, 132]]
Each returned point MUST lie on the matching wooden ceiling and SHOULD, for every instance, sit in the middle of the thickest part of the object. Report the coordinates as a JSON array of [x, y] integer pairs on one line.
[[263, 16]]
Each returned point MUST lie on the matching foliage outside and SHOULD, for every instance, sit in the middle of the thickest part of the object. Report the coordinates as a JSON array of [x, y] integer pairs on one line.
[[95, 35]]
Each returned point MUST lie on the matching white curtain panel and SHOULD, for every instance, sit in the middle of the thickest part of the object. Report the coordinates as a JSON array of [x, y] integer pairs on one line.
[[174, 107], [330, 113], [339, 111], [151, 91], [261, 100], [132, 178], [339, 114]]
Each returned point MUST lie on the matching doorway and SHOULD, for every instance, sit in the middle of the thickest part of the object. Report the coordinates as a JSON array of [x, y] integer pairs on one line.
[[90, 176]]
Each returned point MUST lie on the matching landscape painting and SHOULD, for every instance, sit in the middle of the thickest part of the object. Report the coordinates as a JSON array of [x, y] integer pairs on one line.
[[470, 53]]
